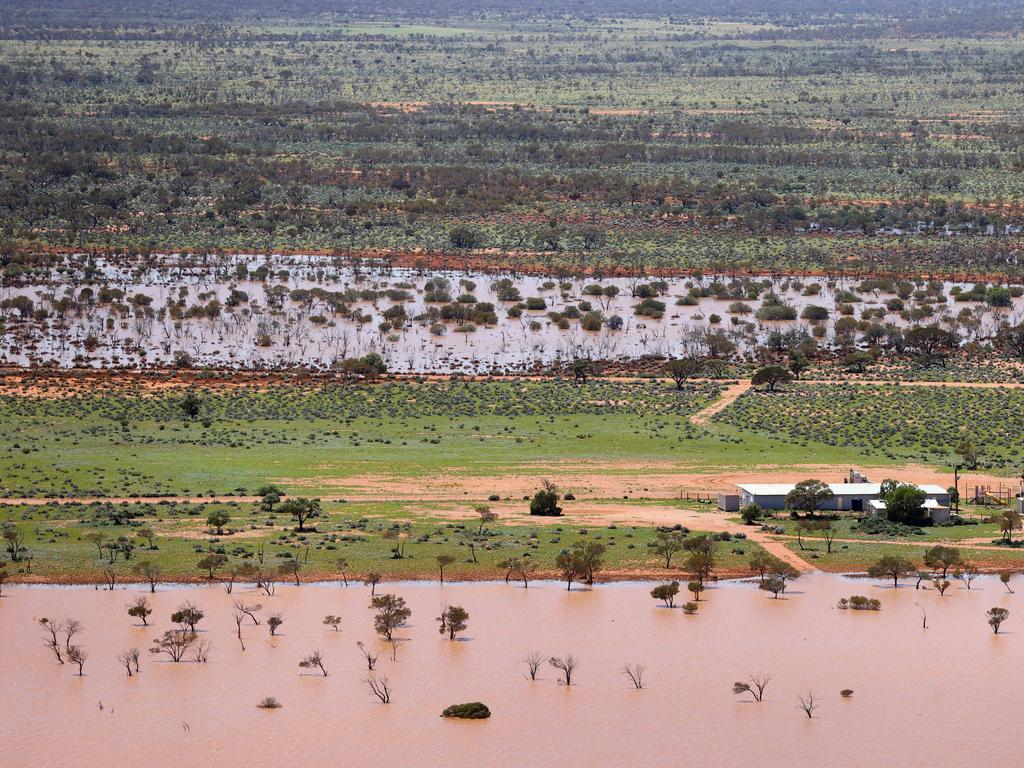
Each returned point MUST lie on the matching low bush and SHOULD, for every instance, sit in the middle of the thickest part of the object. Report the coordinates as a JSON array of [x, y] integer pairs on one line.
[[473, 710], [860, 603]]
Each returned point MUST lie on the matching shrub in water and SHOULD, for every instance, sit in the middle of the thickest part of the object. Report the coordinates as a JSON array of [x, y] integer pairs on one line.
[[474, 710]]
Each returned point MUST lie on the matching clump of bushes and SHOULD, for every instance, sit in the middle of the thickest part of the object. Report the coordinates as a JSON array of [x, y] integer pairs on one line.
[[860, 603], [473, 710], [879, 526]]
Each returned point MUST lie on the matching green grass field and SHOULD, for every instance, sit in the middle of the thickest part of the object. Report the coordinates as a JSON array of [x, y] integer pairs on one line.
[[372, 449], [365, 534], [121, 445]]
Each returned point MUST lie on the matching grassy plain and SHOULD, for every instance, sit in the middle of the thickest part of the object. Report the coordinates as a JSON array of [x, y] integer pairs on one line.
[[345, 440], [623, 449], [359, 532]]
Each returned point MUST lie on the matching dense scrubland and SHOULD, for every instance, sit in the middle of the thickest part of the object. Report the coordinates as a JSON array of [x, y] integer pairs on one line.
[[615, 139]]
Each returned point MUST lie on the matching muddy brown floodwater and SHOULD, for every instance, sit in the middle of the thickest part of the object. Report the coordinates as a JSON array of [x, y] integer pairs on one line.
[[942, 696]]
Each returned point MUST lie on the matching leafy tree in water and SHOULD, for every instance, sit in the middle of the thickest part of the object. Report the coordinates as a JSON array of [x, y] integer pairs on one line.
[[891, 567], [391, 614], [666, 593], [453, 620], [188, 615], [570, 565], [941, 558], [996, 617]]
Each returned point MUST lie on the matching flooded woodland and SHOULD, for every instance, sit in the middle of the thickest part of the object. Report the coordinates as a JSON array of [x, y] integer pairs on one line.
[[919, 696], [279, 312]]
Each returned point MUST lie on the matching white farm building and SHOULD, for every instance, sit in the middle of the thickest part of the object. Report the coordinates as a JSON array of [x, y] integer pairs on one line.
[[857, 497]]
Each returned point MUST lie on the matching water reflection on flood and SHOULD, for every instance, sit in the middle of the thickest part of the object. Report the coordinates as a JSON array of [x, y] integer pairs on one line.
[[944, 696]]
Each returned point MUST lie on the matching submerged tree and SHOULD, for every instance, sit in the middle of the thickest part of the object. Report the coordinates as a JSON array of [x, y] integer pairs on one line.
[[635, 672], [569, 565], [51, 630], [533, 661], [381, 687], [391, 614], [666, 593], [453, 620], [372, 580], [754, 685], [773, 584], [589, 557], [175, 643], [967, 574], [996, 617], [808, 704], [77, 656], [314, 661], [274, 622], [368, 655], [150, 572], [188, 615], [140, 609], [130, 659], [893, 567], [566, 665]]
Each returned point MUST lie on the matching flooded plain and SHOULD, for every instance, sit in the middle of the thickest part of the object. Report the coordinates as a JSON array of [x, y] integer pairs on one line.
[[945, 695], [311, 311]]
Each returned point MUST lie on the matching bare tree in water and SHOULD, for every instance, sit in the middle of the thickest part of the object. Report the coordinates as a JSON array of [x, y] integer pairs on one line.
[[808, 704], [754, 686], [533, 661], [77, 655], [381, 687], [635, 672], [566, 665], [130, 658], [51, 630], [370, 656]]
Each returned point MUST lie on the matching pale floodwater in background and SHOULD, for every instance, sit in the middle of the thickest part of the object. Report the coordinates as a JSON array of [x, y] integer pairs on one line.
[[945, 696]]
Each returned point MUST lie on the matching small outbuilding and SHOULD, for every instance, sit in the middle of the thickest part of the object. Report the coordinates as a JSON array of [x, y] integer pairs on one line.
[[729, 502]]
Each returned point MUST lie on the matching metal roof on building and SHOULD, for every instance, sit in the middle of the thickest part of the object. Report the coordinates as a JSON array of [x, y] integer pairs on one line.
[[839, 489]]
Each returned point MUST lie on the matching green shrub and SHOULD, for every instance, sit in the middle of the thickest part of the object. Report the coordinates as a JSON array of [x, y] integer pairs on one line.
[[473, 710]]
